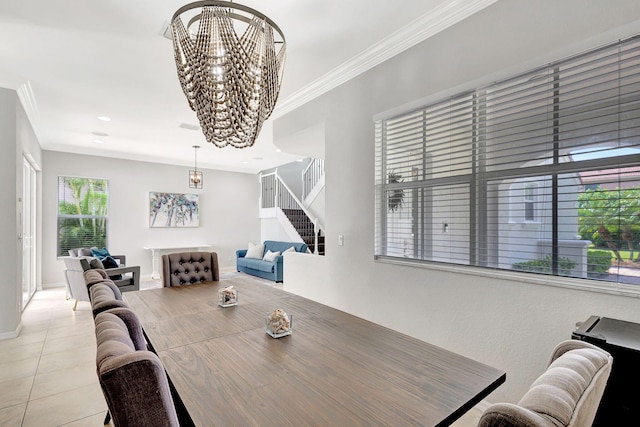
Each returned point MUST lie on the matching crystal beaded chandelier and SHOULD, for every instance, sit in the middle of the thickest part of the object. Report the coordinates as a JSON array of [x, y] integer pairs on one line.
[[230, 62]]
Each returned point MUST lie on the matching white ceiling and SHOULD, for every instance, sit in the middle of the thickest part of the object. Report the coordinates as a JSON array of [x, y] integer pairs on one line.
[[74, 60]]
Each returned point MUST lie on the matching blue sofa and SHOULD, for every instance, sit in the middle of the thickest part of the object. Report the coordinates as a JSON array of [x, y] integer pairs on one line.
[[267, 269]]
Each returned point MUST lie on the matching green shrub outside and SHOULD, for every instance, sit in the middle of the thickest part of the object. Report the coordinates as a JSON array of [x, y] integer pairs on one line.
[[598, 262], [544, 265]]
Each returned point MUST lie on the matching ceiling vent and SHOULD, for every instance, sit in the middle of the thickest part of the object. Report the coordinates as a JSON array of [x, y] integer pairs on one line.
[[189, 126]]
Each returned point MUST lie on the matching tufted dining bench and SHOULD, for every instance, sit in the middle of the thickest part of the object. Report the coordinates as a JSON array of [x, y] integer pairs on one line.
[[186, 268]]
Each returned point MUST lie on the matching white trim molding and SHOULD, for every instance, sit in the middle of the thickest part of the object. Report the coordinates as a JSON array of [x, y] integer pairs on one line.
[[28, 100], [422, 28]]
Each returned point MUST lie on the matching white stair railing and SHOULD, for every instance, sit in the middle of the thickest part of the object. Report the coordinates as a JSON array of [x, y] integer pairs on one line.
[[275, 193], [311, 176]]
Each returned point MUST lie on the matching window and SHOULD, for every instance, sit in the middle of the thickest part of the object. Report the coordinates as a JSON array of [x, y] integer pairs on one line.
[[82, 213], [529, 201], [538, 173]]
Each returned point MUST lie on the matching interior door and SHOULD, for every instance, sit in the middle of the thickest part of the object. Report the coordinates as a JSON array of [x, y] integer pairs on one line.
[[28, 220]]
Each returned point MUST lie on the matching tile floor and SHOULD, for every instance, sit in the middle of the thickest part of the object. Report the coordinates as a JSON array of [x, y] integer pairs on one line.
[[48, 373]]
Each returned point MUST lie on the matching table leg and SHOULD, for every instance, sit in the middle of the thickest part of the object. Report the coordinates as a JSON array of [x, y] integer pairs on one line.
[[155, 274]]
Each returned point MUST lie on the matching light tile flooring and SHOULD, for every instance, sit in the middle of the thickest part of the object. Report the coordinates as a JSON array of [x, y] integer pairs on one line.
[[48, 373]]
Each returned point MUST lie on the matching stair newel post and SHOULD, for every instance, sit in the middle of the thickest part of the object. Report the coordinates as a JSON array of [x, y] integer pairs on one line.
[[315, 236], [277, 192]]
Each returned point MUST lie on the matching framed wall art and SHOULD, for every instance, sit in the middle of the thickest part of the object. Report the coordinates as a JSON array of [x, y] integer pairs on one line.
[[174, 210]]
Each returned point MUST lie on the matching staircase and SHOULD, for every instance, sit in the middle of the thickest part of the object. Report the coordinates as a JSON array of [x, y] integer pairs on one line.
[[304, 227], [277, 197]]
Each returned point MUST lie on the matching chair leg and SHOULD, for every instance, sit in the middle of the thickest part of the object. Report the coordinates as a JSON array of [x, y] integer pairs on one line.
[[74, 305], [107, 418]]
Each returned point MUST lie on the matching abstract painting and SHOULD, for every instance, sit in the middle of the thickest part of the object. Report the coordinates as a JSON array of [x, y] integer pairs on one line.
[[173, 210]]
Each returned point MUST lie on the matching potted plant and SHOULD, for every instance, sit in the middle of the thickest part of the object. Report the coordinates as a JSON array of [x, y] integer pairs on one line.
[[396, 196]]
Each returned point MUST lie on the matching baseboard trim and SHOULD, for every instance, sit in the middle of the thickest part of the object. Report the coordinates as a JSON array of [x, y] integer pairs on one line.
[[11, 334]]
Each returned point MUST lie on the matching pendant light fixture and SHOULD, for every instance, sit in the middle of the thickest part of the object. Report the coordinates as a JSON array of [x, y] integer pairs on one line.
[[195, 176]]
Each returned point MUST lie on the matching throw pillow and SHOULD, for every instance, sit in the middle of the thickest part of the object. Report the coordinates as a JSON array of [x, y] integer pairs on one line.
[[270, 256], [96, 264], [291, 249], [100, 253], [109, 262], [255, 251]]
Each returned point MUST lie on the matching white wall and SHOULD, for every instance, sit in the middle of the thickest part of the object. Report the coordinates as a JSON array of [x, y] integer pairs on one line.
[[503, 321], [228, 209], [16, 138], [10, 263]]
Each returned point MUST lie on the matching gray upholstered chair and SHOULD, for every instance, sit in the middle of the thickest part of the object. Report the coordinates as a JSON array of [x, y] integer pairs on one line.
[[133, 379], [103, 293], [186, 268], [567, 394]]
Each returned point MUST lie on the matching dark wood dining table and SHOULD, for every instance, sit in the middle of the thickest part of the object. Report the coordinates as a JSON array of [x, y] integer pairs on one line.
[[335, 369]]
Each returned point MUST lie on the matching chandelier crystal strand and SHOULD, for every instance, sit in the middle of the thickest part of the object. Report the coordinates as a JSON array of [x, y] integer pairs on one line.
[[232, 82]]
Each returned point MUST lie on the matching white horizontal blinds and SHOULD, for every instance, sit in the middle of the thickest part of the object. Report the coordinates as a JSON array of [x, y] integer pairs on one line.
[[518, 117], [421, 150], [82, 213], [528, 173], [598, 99], [379, 242], [448, 137]]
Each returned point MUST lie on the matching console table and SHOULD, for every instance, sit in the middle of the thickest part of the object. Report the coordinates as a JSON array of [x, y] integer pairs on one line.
[[157, 252]]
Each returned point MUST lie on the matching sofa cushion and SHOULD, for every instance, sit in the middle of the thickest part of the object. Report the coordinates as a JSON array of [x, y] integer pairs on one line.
[[276, 246], [270, 256], [253, 263], [255, 251], [266, 266], [242, 261], [256, 264]]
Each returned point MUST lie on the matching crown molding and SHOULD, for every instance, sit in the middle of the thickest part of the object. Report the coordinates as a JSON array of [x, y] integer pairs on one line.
[[422, 28], [28, 101]]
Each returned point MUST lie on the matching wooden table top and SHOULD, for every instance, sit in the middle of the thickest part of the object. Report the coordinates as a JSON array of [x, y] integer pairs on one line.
[[335, 369]]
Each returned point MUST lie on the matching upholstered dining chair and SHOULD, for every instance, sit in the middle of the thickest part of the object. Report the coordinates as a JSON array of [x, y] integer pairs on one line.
[[133, 379], [185, 268], [567, 394], [104, 294]]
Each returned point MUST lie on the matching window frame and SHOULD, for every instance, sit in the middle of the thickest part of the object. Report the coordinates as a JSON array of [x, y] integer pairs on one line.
[[554, 170], [66, 216]]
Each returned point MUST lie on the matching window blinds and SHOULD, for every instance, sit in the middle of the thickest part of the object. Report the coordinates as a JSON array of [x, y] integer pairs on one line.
[[532, 173]]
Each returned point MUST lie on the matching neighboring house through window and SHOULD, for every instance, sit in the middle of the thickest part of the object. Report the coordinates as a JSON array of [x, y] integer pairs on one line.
[[82, 213], [536, 173]]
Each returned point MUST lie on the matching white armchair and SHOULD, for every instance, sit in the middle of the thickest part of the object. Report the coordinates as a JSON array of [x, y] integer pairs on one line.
[[126, 278]]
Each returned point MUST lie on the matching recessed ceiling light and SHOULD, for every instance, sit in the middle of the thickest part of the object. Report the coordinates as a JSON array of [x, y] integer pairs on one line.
[[278, 150], [98, 141], [246, 162], [104, 118]]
